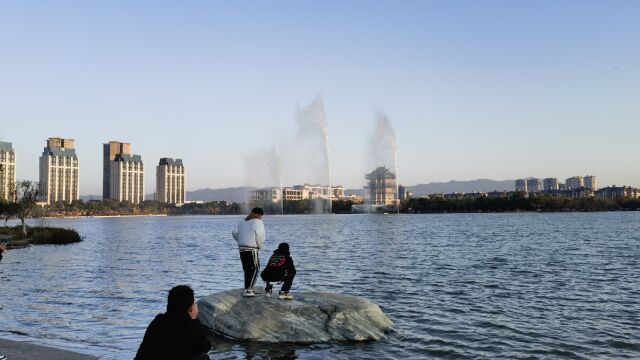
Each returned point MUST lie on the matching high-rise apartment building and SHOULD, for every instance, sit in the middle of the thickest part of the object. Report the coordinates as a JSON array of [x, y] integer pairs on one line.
[[381, 186], [59, 172], [109, 152], [127, 178], [521, 185], [591, 182], [170, 181], [575, 183], [550, 184], [7, 170], [534, 185]]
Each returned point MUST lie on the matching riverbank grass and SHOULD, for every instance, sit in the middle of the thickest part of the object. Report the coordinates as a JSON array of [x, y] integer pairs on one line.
[[38, 236]]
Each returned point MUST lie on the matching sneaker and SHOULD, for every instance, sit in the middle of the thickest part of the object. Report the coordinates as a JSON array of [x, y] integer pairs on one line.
[[249, 293], [268, 290], [285, 296]]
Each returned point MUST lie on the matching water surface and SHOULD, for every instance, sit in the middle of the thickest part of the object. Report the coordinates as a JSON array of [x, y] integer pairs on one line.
[[510, 286]]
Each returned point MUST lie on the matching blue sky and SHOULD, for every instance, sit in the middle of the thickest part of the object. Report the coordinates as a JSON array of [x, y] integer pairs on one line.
[[473, 89]]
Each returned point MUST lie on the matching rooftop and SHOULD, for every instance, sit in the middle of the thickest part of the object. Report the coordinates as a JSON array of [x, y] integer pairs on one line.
[[6, 147]]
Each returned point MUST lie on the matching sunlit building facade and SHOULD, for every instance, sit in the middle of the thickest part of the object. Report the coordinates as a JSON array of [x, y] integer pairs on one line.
[[7, 170], [170, 181], [59, 172]]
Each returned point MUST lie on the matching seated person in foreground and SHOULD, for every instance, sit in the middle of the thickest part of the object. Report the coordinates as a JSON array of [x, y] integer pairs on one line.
[[176, 334], [279, 268]]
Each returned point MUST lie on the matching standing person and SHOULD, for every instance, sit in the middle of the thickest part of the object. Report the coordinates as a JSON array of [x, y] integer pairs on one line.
[[3, 248], [280, 268], [176, 334], [250, 238]]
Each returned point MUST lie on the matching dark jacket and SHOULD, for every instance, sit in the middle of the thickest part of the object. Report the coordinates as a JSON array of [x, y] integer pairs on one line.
[[173, 336], [280, 265]]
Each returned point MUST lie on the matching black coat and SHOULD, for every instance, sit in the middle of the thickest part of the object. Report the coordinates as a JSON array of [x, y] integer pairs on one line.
[[280, 264], [173, 336]]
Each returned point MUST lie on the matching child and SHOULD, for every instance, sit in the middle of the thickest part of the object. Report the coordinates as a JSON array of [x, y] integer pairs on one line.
[[279, 268]]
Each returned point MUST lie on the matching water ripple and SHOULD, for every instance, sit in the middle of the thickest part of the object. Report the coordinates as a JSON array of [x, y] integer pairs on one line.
[[511, 286]]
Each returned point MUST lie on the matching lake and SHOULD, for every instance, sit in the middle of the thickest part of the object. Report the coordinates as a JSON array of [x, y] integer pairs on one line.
[[513, 286]]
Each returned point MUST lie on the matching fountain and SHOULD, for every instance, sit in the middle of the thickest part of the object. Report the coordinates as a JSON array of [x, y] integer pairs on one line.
[[382, 155], [313, 133]]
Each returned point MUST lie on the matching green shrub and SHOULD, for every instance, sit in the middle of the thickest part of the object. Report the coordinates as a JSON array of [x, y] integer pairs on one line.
[[48, 235]]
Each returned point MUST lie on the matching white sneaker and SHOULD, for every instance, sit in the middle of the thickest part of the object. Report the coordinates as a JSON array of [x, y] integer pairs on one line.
[[285, 296], [249, 293]]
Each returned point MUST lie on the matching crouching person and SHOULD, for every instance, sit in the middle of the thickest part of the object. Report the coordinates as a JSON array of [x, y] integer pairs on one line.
[[176, 334], [280, 268]]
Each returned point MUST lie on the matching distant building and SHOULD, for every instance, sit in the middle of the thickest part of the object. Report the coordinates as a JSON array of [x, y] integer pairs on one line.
[[59, 172], [591, 182], [575, 182], [109, 152], [550, 184], [297, 193], [617, 191], [7, 170], [562, 186], [381, 186], [497, 194], [402, 193], [474, 195], [264, 197], [534, 185], [170, 186], [127, 178], [521, 185]]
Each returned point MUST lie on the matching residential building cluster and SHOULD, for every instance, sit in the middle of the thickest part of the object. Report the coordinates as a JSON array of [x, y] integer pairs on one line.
[[381, 187], [122, 180], [296, 193], [533, 185]]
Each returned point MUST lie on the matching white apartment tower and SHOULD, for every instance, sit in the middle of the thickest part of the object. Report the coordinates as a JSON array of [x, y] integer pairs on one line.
[[7, 169], [591, 182], [126, 181], [59, 172], [534, 185], [170, 181], [551, 184], [575, 183], [521, 185]]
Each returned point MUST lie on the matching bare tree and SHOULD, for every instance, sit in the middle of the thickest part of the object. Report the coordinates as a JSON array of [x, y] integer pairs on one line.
[[25, 195]]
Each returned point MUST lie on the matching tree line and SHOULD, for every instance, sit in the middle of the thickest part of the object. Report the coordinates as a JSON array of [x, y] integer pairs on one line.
[[518, 202]]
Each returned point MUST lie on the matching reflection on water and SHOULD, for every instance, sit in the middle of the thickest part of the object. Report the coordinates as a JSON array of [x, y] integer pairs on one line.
[[470, 286]]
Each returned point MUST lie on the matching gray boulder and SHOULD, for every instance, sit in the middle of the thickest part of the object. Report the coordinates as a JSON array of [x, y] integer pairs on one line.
[[311, 317]]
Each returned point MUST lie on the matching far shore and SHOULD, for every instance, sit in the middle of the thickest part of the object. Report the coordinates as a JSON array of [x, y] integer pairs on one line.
[[101, 216]]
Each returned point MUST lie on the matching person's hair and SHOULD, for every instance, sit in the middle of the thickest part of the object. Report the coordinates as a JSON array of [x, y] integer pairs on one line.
[[283, 248], [257, 210], [180, 299]]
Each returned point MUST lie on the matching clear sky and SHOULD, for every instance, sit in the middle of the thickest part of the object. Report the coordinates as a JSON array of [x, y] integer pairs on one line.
[[473, 89]]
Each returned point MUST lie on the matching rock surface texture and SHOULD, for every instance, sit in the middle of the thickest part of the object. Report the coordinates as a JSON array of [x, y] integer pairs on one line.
[[311, 317]]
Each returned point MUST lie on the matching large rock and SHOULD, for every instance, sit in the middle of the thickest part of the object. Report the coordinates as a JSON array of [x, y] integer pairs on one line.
[[311, 317]]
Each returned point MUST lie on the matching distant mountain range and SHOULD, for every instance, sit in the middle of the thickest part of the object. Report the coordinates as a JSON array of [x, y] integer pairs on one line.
[[238, 194], [482, 185]]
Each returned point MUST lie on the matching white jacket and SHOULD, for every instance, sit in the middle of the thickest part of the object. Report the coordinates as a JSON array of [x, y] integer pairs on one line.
[[250, 234]]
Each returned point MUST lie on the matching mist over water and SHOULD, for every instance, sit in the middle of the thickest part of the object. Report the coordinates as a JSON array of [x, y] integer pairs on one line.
[[383, 148], [264, 169], [313, 137], [299, 158]]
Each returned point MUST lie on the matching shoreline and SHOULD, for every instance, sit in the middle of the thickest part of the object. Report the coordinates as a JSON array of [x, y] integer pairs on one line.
[[101, 216], [26, 350]]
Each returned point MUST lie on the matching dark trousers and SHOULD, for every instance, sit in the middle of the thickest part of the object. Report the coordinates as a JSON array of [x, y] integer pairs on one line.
[[287, 282], [250, 265]]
